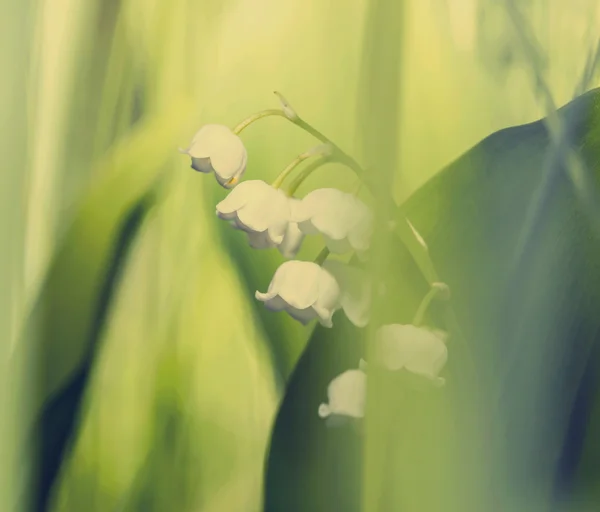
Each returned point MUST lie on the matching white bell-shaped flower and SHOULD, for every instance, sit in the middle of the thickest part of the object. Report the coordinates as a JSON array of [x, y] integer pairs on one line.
[[344, 221], [305, 290], [261, 211], [215, 148], [355, 297], [346, 396], [418, 350]]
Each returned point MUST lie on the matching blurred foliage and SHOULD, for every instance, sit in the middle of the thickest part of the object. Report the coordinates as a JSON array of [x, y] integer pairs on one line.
[[175, 411]]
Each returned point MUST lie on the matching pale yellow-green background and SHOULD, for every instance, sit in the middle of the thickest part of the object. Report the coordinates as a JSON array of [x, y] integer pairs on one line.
[[182, 325]]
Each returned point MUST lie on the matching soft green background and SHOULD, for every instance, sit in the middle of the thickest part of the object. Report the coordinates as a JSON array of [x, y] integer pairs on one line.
[[96, 96]]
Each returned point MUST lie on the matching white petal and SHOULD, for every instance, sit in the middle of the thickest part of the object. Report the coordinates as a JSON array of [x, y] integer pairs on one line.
[[324, 315], [216, 148], [322, 200], [304, 316], [273, 302], [297, 283], [202, 165], [347, 394], [238, 197], [305, 290], [229, 159], [324, 411], [355, 298], [207, 138], [343, 219], [329, 291], [361, 233], [259, 208], [328, 209], [387, 350], [419, 350], [292, 241]]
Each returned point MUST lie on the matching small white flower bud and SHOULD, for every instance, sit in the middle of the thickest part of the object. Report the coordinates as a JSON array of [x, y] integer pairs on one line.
[[347, 396]]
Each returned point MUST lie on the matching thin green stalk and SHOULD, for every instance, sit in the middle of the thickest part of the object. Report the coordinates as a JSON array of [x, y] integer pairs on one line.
[[306, 172], [437, 290], [255, 117], [322, 256], [319, 150]]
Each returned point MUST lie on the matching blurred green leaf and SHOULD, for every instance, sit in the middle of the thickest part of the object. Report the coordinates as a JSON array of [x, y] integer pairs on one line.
[[309, 466], [285, 337], [68, 317]]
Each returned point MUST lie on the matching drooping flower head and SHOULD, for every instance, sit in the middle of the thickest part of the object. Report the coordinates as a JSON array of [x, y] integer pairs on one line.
[[258, 209], [346, 394], [344, 221], [418, 350], [263, 213], [305, 290], [215, 148]]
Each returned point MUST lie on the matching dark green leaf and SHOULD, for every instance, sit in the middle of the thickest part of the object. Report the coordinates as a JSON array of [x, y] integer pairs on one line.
[[527, 302]]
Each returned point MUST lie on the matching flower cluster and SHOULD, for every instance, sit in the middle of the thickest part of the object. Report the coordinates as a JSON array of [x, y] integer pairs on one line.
[[315, 290]]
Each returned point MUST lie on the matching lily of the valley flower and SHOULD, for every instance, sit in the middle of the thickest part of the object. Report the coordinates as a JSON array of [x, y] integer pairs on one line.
[[418, 350], [305, 290], [346, 394], [355, 296], [344, 221], [263, 212], [215, 148]]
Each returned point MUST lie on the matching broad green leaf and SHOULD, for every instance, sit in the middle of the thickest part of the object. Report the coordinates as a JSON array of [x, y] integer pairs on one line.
[[529, 319]]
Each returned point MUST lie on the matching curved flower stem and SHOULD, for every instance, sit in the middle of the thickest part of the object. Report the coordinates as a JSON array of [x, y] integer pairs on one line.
[[357, 187], [255, 117], [322, 256], [322, 150], [306, 172], [437, 290], [336, 152]]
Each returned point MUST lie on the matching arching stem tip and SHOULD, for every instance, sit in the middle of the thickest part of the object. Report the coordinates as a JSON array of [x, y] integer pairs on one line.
[[290, 113]]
